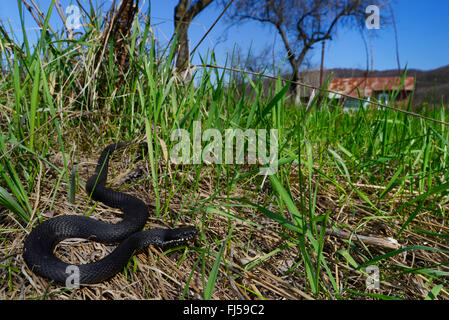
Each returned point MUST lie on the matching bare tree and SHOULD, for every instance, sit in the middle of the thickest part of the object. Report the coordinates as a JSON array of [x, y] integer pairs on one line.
[[185, 12], [302, 24]]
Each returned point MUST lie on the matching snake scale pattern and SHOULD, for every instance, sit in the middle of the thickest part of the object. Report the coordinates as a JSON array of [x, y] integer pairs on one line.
[[40, 243]]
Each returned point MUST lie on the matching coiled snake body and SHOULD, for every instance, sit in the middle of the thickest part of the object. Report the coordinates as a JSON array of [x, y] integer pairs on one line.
[[39, 246]]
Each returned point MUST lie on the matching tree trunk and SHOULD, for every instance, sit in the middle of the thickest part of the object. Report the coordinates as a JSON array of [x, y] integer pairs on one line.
[[183, 17], [113, 42], [295, 63], [296, 87], [182, 23]]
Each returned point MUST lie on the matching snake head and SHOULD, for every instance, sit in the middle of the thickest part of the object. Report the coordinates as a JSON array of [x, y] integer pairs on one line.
[[179, 235]]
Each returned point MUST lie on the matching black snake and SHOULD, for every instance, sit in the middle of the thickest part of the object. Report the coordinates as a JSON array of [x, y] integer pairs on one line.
[[39, 246]]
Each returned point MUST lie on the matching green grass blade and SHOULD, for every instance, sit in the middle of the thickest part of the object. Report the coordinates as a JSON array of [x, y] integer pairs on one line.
[[209, 289], [11, 204]]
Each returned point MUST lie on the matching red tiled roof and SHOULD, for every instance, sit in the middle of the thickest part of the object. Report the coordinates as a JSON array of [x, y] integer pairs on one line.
[[367, 86]]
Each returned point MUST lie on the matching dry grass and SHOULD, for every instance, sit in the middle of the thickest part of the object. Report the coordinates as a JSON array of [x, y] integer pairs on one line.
[[68, 109], [257, 262]]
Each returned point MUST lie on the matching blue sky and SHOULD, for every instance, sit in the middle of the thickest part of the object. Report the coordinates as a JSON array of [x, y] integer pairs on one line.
[[423, 33]]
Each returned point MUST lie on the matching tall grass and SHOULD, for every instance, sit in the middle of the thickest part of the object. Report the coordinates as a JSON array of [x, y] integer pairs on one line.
[[51, 98]]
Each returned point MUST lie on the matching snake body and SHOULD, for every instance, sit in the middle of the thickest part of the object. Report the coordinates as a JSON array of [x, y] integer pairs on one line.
[[40, 244]]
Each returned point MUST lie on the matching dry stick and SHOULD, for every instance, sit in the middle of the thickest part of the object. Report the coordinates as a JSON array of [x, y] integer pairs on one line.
[[30, 9], [231, 281], [212, 26], [389, 243], [61, 14], [324, 89], [39, 13]]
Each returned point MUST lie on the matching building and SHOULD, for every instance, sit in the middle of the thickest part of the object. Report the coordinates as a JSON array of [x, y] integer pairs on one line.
[[379, 89]]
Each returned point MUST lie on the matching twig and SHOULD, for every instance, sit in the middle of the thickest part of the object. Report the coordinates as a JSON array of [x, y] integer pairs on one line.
[[389, 243], [212, 26], [64, 20], [40, 14]]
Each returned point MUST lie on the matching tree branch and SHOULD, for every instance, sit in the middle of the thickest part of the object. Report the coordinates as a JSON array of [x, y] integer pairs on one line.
[[197, 8], [290, 53]]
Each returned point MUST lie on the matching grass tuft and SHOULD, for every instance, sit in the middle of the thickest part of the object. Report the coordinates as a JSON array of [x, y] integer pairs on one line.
[[372, 172]]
